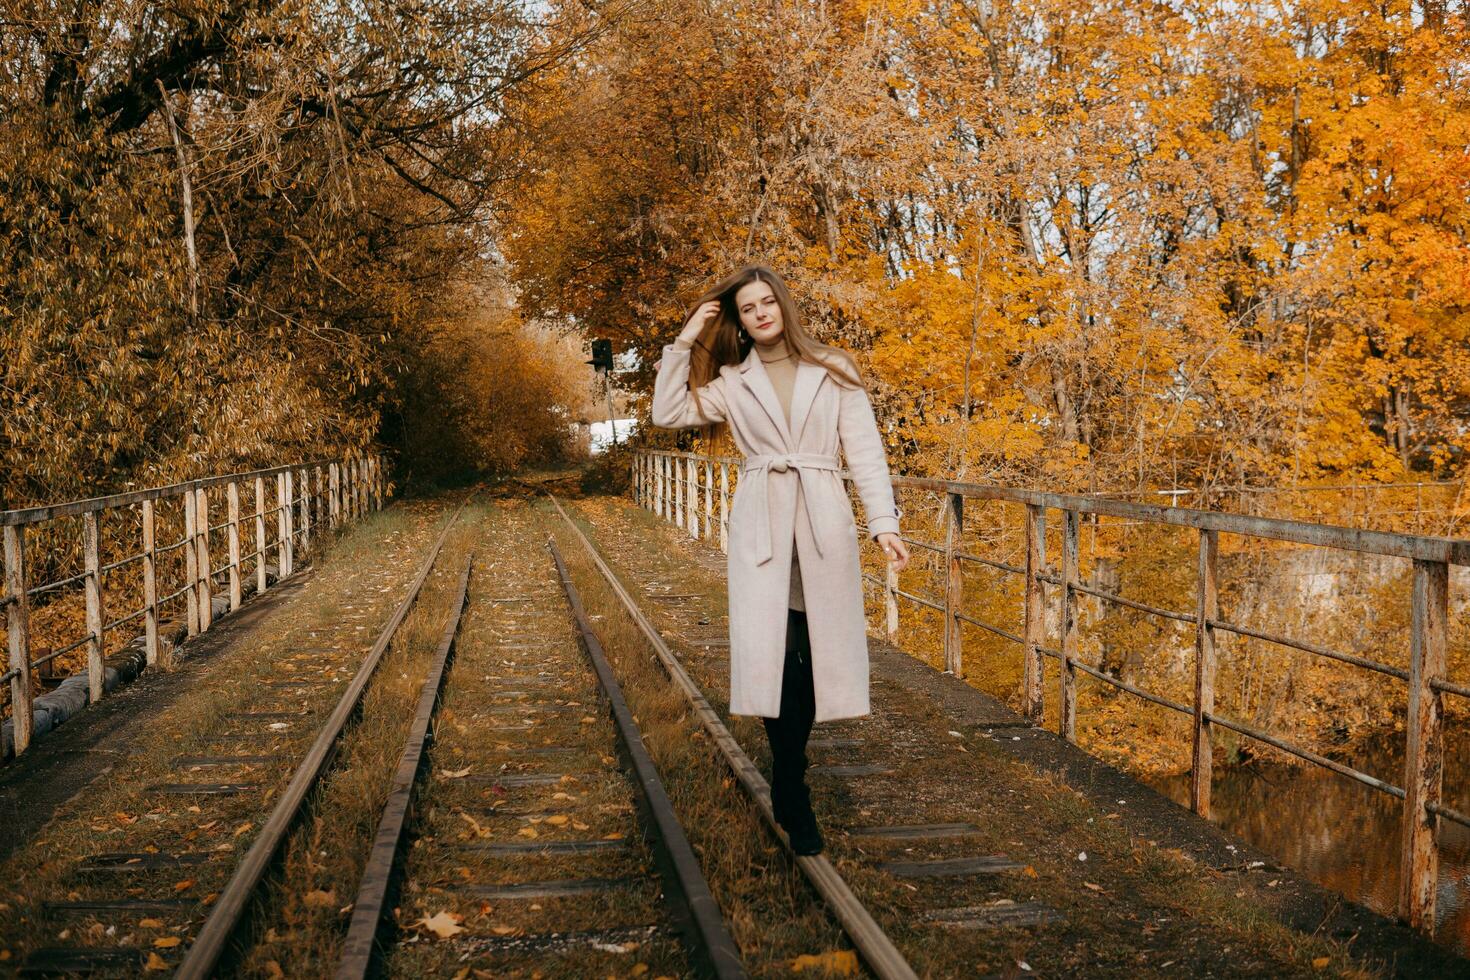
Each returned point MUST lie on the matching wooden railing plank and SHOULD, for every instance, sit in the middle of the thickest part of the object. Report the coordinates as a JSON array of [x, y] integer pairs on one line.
[[17, 622], [1206, 609], [97, 636], [232, 504], [1424, 758], [1032, 695], [150, 583]]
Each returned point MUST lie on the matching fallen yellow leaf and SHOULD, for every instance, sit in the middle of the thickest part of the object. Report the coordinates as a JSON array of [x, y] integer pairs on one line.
[[166, 942], [1321, 962], [842, 962], [557, 820], [442, 924], [155, 963], [151, 923]]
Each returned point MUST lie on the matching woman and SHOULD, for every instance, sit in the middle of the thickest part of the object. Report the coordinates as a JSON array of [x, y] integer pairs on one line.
[[795, 584]]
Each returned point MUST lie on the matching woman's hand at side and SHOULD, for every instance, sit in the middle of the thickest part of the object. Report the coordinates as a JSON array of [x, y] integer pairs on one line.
[[698, 320], [895, 549]]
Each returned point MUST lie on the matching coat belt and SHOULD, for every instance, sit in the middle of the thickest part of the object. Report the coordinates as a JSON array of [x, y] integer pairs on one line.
[[759, 469]]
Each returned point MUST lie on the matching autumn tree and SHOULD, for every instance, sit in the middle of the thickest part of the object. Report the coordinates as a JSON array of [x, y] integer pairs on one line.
[[223, 223], [1100, 247]]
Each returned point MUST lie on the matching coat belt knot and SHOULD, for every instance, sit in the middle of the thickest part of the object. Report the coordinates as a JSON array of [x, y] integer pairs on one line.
[[758, 469]]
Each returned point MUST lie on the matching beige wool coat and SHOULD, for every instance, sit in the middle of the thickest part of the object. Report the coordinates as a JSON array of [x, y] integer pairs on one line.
[[790, 493]]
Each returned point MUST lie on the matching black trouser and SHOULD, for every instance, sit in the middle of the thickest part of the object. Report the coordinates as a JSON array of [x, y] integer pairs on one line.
[[788, 733]]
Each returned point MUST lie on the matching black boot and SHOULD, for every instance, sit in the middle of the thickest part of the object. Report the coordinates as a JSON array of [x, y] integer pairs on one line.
[[806, 836], [790, 796]]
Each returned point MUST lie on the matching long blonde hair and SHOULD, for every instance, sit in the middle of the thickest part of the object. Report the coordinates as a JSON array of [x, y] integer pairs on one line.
[[724, 341]]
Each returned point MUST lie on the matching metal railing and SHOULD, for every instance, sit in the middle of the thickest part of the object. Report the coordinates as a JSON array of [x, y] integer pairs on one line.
[[306, 496], [668, 483]]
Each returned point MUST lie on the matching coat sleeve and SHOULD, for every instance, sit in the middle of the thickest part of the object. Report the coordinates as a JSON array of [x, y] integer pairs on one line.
[[674, 406], [857, 431]]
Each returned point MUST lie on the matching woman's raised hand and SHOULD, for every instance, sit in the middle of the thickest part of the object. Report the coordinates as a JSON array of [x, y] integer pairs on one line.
[[701, 318]]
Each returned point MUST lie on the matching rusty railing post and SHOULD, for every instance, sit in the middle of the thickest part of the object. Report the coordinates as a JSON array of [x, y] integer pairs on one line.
[[260, 582], [1424, 758], [349, 493], [724, 507], [1033, 704], [191, 560], [890, 601], [709, 496], [283, 561], [954, 662], [18, 631], [97, 637], [232, 504], [664, 493], [150, 583], [204, 588], [290, 516], [1206, 609], [305, 475], [691, 501], [1067, 722]]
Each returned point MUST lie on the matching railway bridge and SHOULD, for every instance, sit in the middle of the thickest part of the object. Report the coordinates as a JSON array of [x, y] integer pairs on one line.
[[280, 723]]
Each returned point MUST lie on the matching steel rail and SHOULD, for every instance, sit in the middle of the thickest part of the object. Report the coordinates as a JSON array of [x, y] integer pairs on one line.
[[719, 955], [234, 900], [876, 949], [376, 888]]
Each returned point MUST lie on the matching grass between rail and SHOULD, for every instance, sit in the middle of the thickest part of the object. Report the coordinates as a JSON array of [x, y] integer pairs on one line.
[[301, 921], [522, 700]]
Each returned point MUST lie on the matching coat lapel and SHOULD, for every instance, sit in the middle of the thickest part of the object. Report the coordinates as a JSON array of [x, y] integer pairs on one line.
[[753, 373], [809, 376]]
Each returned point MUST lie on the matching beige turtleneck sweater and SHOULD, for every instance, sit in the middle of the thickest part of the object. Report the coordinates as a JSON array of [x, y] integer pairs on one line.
[[781, 369]]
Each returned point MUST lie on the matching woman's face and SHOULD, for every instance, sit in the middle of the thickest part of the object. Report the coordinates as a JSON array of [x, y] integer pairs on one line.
[[760, 314]]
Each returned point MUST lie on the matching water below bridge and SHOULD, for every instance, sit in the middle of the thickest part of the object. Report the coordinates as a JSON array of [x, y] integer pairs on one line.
[[1343, 834]]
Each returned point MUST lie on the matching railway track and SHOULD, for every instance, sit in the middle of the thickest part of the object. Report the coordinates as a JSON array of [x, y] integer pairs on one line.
[[608, 875], [543, 836], [526, 832], [114, 897], [877, 950]]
